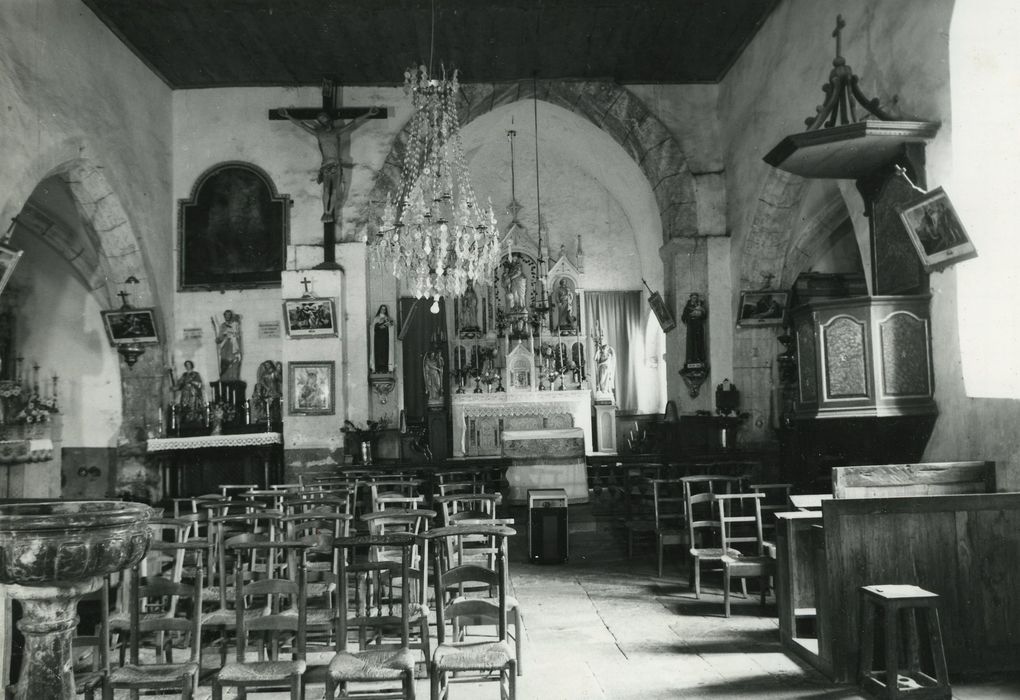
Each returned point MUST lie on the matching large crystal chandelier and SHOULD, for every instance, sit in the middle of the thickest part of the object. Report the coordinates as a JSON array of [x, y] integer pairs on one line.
[[435, 236]]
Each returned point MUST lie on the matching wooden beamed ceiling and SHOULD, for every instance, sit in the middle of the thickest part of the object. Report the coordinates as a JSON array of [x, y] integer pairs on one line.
[[226, 43]]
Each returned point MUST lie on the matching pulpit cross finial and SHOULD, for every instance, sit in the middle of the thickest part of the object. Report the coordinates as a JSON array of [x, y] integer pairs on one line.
[[838, 34]]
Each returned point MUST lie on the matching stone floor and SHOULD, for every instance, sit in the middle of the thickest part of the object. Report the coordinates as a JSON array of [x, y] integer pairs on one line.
[[605, 626]]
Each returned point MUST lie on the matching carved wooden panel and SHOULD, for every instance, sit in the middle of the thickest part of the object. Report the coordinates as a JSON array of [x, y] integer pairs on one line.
[[846, 374], [904, 346], [807, 361]]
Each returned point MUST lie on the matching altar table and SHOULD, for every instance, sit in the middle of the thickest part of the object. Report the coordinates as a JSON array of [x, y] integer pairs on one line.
[[188, 452], [479, 420], [546, 459]]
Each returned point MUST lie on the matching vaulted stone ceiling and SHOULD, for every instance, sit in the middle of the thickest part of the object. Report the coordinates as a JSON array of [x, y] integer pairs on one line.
[[223, 43]]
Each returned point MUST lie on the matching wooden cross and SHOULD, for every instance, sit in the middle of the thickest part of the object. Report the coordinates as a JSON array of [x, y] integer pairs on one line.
[[123, 298], [330, 109], [838, 34], [306, 282]]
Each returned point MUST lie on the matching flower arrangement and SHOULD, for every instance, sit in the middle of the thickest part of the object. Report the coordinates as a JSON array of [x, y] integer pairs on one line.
[[368, 434], [36, 410]]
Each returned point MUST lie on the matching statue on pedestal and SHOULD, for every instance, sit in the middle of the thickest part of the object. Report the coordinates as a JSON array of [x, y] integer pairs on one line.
[[228, 344], [192, 394], [432, 372]]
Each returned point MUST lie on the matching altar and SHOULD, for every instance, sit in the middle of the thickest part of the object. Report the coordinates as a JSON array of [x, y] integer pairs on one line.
[[480, 420], [545, 459]]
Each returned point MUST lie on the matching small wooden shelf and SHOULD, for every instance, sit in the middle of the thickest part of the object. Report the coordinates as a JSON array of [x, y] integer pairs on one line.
[[850, 151]]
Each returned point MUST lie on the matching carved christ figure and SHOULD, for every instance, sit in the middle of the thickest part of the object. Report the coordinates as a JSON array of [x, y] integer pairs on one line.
[[328, 132]]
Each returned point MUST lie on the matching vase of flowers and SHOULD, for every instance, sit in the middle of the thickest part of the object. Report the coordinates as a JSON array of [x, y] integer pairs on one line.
[[363, 439]]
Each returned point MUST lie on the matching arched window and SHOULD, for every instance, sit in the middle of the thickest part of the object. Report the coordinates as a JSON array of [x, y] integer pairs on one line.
[[985, 187]]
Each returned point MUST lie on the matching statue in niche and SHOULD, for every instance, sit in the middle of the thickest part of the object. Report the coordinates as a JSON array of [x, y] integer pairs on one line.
[[564, 306], [328, 132], [382, 326], [192, 394], [432, 372], [267, 392], [516, 284], [468, 317], [694, 317], [228, 346]]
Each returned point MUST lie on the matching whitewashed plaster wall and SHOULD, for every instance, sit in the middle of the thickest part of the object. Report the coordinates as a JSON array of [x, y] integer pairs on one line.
[[900, 50], [60, 329], [71, 93]]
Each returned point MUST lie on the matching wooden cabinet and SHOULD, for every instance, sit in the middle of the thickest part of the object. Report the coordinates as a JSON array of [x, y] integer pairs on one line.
[[864, 357]]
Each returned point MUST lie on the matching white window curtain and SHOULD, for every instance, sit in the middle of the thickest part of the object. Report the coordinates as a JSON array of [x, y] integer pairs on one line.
[[621, 318]]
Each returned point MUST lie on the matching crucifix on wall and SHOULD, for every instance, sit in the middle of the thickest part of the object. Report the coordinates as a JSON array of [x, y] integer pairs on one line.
[[327, 124]]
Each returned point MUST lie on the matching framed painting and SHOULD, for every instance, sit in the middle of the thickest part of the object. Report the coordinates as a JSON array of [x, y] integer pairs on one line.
[[8, 261], [309, 317], [763, 308], [233, 231], [662, 312], [126, 326], [936, 231], [310, 388]]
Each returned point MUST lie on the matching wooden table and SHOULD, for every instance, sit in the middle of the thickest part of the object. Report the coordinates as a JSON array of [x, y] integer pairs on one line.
[[809, 501], [188, 453]]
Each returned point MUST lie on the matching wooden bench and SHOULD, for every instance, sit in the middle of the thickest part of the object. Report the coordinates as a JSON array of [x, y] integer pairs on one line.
[[923, 479]]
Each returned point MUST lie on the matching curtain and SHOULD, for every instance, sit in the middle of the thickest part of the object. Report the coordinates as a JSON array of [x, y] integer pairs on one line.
[[620, 316]]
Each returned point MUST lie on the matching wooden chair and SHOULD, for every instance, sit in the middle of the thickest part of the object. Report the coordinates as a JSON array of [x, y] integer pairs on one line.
[[485, 657], [776, 499], [639, 501], [704, 533], [670, 512], [365, 601], [152, 671], [267, 616], [396, 493], [741, 531]]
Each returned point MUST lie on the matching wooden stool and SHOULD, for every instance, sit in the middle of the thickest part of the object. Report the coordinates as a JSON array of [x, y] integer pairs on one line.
[[911, 682]]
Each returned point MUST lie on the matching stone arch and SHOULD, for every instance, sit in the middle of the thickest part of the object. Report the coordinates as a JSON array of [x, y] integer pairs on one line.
[[120, 256], [765, 248], [815, 234], [613, 109]]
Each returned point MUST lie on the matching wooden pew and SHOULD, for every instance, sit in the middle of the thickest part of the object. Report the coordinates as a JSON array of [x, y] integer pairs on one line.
[[923, 479], [811, 548]]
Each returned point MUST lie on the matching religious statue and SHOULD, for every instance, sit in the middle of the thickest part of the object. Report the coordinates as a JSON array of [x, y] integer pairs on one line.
[[328, 132], [605, 370], [432, 370], [564, 306], [228, 344], [192, 394], [468, 317], [516, 283], [694, 317], [268, 390], [382, 326]]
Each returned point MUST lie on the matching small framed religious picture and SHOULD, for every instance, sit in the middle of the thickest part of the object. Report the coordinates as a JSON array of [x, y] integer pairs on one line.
[[309, 317], [936, 231], [662, 312], [8, 260], [126, 326], [310, 388], [762, 308]]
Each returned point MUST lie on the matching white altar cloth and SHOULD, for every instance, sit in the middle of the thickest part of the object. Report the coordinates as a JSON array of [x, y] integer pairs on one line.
[[546, 459], [544, 404]]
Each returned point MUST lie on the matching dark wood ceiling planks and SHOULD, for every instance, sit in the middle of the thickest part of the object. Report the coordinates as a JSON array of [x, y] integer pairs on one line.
[[224, 43]]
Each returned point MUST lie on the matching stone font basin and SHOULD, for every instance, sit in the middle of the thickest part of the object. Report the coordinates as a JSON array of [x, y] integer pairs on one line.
[[43, 544], [51, 554]]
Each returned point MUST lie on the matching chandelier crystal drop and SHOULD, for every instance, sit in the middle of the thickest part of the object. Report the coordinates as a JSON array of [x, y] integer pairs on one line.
[[435, 236]]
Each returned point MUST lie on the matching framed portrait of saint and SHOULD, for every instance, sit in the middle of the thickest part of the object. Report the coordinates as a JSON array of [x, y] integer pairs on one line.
[[233, 231], [936, 231], [310, 388]]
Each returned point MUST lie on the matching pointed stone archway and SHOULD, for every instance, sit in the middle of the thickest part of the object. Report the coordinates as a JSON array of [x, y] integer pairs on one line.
[[119, 256], [613, 109]]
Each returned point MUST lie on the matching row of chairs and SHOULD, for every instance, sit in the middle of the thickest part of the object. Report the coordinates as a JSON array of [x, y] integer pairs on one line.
[[721, 519], [280, 545]]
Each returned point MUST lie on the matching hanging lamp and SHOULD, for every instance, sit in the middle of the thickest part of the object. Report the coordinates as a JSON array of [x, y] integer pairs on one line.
[[434, 235]]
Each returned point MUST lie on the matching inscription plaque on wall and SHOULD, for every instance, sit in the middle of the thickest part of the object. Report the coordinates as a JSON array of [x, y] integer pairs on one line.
[[269, 329]]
